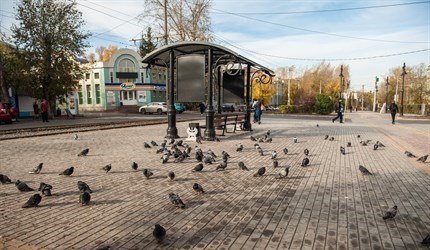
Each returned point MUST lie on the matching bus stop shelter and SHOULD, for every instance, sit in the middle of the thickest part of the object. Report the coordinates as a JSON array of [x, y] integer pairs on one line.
[[192, 64]]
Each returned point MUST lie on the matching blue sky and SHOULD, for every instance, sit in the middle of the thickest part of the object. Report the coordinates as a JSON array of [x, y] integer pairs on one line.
[[282, 38]]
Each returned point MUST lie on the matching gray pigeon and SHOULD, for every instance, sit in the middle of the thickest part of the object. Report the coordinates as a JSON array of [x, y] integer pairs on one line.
[[176, 200], [268, 140], [171, 175], [68, 171], [221, 166], [268, 132], [284, 172], [84, 198], [295, 139], [45, 189], [84, 152], [107, 168], [331, 138], [147, 173], [275, 164], [375, 147], [252, 138], [306, 151], [260, 172], [37, 169], [358, 136], [239, 148], [305, 162], [34, 201], [363, 143], [22, 186], [342, 150], [134, 166], [153, 143], [364, 170], [391, 213], [409, 154], [159, 233], [4, 179], [274, 154], [423, 158], [285, 150], [198, 167], [380, 144], [198, 188], [426, 240], [348, 144], [242, 166], [83, 187], [325, 137], [76, 137], [165, 158], [146, 145]]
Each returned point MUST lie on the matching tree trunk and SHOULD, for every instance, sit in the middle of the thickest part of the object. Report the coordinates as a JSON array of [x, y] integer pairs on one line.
[[4, 94]]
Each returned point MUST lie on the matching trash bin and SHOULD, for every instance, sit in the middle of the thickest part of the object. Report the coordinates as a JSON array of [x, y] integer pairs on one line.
[[193, 131], [193, 125]]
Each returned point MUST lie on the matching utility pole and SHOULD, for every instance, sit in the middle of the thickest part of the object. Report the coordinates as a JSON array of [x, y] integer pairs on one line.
[[362, 97], [403, 87], [165, 23], [386, 96], [375, 98], [341, 81]]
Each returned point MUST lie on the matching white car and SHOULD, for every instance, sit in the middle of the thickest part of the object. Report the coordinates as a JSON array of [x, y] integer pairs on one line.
[[154, 107]]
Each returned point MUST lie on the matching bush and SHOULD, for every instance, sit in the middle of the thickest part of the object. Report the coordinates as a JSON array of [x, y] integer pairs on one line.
[[323, 105], [288, 109]]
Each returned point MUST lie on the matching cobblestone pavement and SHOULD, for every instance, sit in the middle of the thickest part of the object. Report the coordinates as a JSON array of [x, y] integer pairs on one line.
[[327, 205]]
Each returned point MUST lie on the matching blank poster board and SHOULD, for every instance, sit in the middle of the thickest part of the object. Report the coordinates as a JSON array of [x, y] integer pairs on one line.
[[190, 78], [234, 88]]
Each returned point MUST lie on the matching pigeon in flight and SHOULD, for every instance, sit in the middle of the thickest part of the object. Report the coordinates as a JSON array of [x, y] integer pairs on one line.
[[153, 143], [134, 166], [325, 137], [260, 172], [274, 154], [305, 162], [426, 240], [76, 137], [364, 170], [146, 145], [409, 154], [84, 198], [306, 151], [159, 233], [239, 148], [348, 144], [275, 163], [171, 175], [198, 167], [37, 169], [375, 146], [295, 139], [198, 188], [221, 166], [176, 200], [84, 152], [107, 168], [252, 138], [423, 158], [342, 150], [285, 150], [83, 187], [34, 201], [242, 166], [22, 186], [147, 173], [45, 189], [390, 213], [284, 172], [4, 179], [68, 171]]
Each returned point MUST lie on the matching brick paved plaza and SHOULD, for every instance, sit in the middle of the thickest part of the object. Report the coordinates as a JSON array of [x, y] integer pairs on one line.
[[327, 205]]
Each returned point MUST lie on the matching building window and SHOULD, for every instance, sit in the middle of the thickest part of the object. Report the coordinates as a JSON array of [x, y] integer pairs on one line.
[[111, 77], [126, 65], [87, 76], [89, 96], [127, 95], [96, 75], [142, 77], [80, 95], [98, 101]]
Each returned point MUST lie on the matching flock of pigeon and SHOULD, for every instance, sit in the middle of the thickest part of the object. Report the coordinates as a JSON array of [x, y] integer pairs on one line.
[[178, 151]]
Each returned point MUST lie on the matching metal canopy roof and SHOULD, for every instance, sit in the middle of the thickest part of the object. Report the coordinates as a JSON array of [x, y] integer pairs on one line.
[[160, 57]]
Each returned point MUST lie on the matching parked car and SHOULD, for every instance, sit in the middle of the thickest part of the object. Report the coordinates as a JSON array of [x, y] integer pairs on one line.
[[7, 112], [154, 107], [180, 107], [228, 107]]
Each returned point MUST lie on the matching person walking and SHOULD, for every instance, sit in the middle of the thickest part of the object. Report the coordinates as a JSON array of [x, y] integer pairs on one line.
[[394, 109], [257, 111], [44, 110], [202, 107], [36, 110], [339, 110]]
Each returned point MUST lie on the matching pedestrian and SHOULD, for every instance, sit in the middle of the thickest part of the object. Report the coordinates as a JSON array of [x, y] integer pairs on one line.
[[350, 108], [36, 109], [44, 110], [394, 109], [257, 111], [202, 107], [339, 110]]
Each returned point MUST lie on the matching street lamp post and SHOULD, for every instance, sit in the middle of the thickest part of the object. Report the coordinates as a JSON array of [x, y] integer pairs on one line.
[[375, 98], [386, 96], [403, 87], [341, 81]]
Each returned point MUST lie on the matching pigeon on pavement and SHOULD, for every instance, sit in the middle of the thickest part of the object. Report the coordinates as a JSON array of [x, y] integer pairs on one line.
[[306, 151], [364, 170], [146, 145], [423, 158], [285, 150], [159, 233], [198, 167], [409, 154], [325, 137], [260, 172], [84, 198], [176, 200], [342, 150], [34, 201], [107, 168], [153, 143], [242, 166], [275, 163], [198, 188], [4, 179], [221, 166], [391, 213], [147, 173], [305, 162], [331, 138], [295, 139], [68, 171], [171, 175], [284, 172], [252, 138], [239, 148], [274, 154], [348, 144], [134, 166], [426, 240], [375, 147], [22, 186], [83, 187], [76, 137], [84, 152], [37, 169], [45, 189]]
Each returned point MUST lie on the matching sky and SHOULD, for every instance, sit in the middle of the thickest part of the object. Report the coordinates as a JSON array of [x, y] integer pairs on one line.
[[370, 36]]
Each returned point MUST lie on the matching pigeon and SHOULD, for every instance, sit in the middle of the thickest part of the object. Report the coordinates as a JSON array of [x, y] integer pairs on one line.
[[153, 143], [358, 136], [37, 169], [364, 170], [4, 179], [198, 188], [305, 162], [318, 125], [199, 140], [165, 158], [285, 150], [171, 175], [146, 145], [284, 172], [34, 201], [274, 154], [348, 144], [331, 138], [180, 158], [221, 166], [225, 157], [171, 141], [325, 137], [217, 139], [426, 240], [268, 132], [107, 168], [252, 138], [147, 173], [45, 189], [242, 166], [306, 151], [159, 233], [198, 167], [295, 139], [423, 158], [134, 166], [84, 198], [22, 186], [174, 198], [208, 159], [363, 143], [342, 150], [257, 146], [239, 148], [260, 172], [83, 187], [84, 152], [68, 171], [390, 213], [275, 164], [261, 151], [268, 140], [380, 144], [375, 147], [212, 153], [76, 137], [409, 154]]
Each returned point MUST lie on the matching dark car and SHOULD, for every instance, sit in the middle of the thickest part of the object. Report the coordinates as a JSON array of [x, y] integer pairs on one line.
[[7, 112], [228, 107]]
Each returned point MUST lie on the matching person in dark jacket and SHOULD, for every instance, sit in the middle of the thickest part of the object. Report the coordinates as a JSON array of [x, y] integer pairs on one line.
[[394, 109], [202, 107], [339, 110]]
